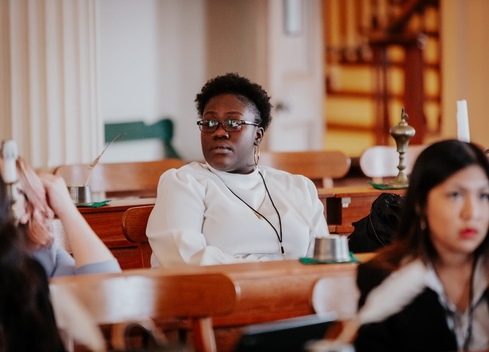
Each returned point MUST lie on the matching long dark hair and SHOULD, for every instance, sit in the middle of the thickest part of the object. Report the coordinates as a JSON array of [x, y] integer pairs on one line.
[[26, 316], [433, 166]]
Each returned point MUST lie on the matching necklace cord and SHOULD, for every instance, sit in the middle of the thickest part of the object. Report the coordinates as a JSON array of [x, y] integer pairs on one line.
[[278, 214], [279, 236]]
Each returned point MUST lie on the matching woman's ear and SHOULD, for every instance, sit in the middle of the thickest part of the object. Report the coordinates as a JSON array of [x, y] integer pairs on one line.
[[259, 135]]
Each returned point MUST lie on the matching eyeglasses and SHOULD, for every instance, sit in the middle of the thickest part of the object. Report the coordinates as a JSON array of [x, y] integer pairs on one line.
[[209, 126]]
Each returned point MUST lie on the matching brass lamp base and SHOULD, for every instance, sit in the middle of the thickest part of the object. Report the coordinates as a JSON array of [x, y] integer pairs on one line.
[[402, 133], [401, 181]]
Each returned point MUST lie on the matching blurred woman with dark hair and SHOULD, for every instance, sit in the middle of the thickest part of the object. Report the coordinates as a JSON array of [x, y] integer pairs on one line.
[[428, 290], [27, 320]]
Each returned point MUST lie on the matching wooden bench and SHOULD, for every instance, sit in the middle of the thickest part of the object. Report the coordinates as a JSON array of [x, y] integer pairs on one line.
[[119, 180], [140, 295], [381, 161], [269, 291], [321, 166], [134, 223]]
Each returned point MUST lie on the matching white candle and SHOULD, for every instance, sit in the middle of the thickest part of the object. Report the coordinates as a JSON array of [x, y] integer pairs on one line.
[[463, 121], [9, 157]]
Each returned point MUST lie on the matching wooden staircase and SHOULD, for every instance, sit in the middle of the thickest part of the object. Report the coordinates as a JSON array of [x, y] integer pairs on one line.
[[381, 56]]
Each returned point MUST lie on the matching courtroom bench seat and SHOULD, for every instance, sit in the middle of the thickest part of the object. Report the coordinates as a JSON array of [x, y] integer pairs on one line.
[[268, 291], [119, 180], [146, 295], [321, 166]]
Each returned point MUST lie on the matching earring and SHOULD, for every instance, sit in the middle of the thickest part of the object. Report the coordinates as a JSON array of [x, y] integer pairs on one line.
[[256, 157], [422, 224]]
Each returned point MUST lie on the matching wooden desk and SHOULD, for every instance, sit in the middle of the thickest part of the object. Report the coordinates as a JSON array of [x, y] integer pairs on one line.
[[106, 221], [267, 291], [271, 291], [344, 205]]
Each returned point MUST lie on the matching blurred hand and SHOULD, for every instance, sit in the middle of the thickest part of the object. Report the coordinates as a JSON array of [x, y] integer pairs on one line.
[[57, 194], [87, 247]]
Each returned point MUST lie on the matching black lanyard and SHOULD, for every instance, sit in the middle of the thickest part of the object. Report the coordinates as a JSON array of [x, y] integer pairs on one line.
[[279, 236]]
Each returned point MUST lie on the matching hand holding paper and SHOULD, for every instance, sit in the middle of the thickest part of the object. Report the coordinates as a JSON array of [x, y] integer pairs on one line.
[[10, 154]]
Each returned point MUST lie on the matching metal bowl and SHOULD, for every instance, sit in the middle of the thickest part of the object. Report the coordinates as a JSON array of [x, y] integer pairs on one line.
[[81, 195], [331, 248]]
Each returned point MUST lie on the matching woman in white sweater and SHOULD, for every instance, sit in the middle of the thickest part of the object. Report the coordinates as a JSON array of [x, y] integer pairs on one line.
[[230, 209]]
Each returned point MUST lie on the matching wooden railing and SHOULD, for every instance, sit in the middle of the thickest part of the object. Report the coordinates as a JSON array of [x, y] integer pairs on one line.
[[380, 56]]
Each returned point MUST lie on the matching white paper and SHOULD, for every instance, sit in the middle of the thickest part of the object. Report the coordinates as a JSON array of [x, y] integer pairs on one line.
[[9, 157], [463, 131]]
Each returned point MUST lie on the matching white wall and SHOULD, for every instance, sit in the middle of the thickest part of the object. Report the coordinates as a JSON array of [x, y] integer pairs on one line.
[[235, 35], [152, 63], [69, 67], [155, 55], [465, 50]]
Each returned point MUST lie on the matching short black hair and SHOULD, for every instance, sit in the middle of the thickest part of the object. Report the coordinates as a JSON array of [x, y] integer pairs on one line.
[[232, 83]]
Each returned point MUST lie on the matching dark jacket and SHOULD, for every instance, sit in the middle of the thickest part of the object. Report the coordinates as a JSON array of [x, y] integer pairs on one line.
[[377, 229], [420, 326]]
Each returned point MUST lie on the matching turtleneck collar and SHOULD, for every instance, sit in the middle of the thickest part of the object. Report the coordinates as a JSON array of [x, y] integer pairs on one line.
[[241, 180]]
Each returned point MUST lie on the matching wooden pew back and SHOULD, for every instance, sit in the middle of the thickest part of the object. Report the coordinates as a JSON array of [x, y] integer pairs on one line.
[[321, 166], [274, 290], [139, 295], [381, 161], [119, 179], [134, 221]]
